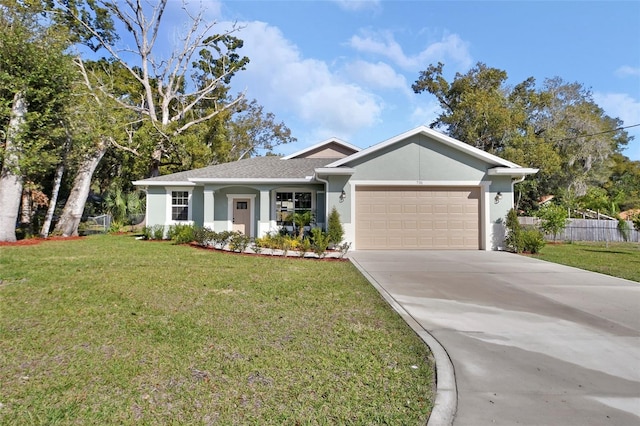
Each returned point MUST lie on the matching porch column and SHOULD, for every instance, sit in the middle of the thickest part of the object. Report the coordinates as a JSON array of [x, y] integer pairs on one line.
[[209, 204], [264, 224]]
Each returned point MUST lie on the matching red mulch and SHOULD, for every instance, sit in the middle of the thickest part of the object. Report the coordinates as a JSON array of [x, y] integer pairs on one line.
[[34, 241]]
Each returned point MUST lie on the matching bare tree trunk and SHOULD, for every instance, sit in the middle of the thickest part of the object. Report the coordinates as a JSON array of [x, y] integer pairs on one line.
[[10, 177], [26, 212], [67, 226], [57, 181]]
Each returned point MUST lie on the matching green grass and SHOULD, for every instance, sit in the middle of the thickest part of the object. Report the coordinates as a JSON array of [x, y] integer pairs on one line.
[[110, 330], [618, 259]]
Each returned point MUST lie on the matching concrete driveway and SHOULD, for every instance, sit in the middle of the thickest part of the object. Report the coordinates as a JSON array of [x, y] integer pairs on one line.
[[518, 341]]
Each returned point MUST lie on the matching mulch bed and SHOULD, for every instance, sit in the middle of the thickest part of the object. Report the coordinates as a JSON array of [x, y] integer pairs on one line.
[[34, 241]]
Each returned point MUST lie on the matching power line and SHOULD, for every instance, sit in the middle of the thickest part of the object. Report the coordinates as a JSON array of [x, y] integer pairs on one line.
[[596, 134]]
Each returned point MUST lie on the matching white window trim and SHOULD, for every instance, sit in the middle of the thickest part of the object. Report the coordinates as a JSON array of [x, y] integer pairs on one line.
[[169, 203], [230, 202], [287, 189]]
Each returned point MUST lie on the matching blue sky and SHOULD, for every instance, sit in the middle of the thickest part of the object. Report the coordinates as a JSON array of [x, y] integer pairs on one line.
[[345, 68]]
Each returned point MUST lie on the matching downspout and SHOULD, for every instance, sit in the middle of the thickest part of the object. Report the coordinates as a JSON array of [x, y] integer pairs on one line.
[[513, 182], [326, 197]]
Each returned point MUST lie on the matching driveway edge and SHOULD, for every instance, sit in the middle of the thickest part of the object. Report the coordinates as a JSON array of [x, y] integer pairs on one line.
[[446, 402]]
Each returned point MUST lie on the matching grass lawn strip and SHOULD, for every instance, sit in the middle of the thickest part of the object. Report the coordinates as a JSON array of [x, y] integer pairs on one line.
[[110, 330], [620, 260]]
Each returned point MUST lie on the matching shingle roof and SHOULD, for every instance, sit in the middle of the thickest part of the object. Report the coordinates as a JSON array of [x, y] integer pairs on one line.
[[251, 168]]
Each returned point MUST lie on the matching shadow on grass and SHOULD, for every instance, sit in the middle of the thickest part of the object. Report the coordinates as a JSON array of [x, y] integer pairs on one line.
[[607, 251]]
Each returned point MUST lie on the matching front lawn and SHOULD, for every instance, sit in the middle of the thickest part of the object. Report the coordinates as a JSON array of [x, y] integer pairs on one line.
[[111, 330], [618, 259]]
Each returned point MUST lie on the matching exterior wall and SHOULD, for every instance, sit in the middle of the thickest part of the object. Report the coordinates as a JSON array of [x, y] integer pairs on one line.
[[418, 160], [210, 205], [197, 206], [156, 206]]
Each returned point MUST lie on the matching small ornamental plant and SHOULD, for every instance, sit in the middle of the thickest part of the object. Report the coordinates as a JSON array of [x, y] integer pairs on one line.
[[334, 227]]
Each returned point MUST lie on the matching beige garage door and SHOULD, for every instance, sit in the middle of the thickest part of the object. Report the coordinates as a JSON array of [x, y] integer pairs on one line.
[[404, 218]]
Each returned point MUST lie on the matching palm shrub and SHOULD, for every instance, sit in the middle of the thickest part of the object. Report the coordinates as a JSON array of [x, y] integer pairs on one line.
[[334, 227], [302, 219]]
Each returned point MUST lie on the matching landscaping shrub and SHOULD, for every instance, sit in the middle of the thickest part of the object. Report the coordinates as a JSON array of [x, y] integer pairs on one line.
[[334, 227], [343, 248], [320, 242], [513, 240], [181, 233], [239, 242], [532, 240], [155, 232], [203, 236], [220, 239]]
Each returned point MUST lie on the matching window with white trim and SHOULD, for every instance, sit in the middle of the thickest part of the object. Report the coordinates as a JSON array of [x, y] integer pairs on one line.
[[288, 203], [179, 205]]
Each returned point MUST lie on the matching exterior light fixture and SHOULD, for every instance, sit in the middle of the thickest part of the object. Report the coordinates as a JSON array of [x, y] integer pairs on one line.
[[498, 197], [343, 195]]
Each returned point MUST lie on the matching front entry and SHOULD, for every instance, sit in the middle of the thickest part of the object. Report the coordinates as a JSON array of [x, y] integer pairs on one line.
[[242, 215]]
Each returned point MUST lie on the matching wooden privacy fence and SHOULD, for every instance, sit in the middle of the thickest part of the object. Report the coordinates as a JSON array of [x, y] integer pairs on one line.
[[588, 230]]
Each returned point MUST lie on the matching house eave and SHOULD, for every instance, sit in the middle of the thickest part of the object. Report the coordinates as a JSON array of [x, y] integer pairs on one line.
[[511, 171], [335, 171], [162, 183], [306, 179]]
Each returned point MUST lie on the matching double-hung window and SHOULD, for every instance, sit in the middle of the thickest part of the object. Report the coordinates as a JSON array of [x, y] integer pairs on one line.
[[288, 203], [179, 205]]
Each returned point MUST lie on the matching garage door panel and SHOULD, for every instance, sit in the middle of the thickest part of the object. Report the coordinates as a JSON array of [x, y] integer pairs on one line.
[[417, 218]]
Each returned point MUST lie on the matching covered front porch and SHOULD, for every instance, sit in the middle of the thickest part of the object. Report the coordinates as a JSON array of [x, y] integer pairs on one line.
[[256, 210]]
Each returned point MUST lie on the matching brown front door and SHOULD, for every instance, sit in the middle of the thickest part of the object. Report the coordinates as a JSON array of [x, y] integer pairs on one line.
[[241, 215]]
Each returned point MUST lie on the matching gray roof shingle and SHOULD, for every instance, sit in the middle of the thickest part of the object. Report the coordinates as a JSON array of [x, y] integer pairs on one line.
[[251, 168]]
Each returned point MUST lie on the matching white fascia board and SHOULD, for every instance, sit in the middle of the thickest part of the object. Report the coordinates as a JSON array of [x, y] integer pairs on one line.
[[162, 183], [512, 171], [320, 144], [335, 171], [446, 140], [251, 180]]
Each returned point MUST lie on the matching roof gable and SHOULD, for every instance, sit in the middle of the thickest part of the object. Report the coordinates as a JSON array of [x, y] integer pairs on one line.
[[438, 137], [331, 148]]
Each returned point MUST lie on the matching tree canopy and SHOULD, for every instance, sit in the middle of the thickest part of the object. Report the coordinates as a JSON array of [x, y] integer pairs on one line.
[[556, 127]]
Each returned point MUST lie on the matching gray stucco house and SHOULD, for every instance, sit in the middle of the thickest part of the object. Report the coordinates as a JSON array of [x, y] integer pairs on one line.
[[418, 190]]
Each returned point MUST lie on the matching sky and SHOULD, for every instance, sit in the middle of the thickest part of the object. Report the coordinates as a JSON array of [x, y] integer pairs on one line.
[[343, 68]]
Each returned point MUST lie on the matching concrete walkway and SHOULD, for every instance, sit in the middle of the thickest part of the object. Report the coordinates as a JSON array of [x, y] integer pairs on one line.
[[518, 341]]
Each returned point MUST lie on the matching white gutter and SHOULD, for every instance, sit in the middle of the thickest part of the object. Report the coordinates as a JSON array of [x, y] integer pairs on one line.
[[511, 171], [307, 179], [162, 183]]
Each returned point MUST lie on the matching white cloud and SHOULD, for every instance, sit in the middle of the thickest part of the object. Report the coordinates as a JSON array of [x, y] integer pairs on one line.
[[425, 114], [626, 108], [377, 75], [358, 5], [282, 80], [451, 46], [626, 71]]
